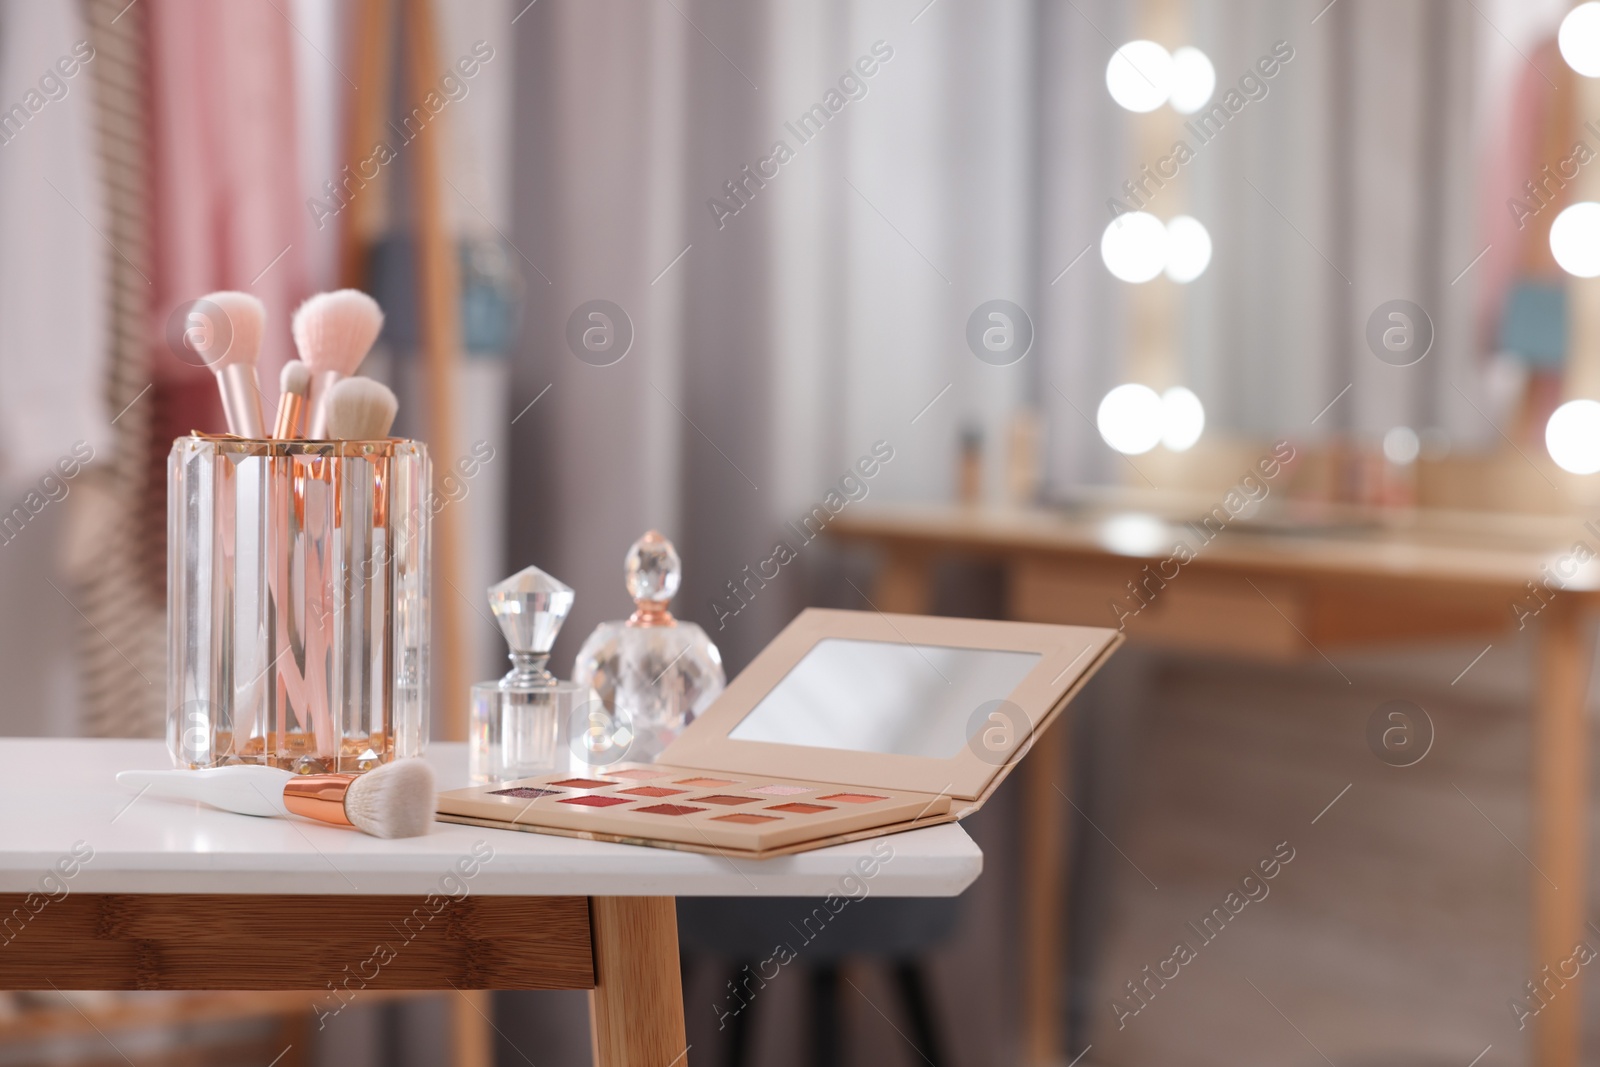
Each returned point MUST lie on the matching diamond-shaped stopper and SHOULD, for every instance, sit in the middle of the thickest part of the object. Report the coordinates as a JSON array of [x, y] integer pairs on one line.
[[653, 569], [530, 607]]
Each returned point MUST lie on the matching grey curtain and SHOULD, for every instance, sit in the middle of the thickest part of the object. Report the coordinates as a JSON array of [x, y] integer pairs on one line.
[[822, 307]]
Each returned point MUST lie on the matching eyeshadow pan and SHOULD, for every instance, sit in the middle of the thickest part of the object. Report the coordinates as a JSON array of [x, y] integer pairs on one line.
[[595, 802], [780, 790], [526, 792], [800, 808], [638, 774], [744, 818], [668, 809], [651, 791], [702, 781], [853, 798], [724, 798], [583, 783]]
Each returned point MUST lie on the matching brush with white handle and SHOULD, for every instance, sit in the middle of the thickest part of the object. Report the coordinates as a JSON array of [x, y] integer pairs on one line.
[[333, 333], [394, 800], [230, 349]]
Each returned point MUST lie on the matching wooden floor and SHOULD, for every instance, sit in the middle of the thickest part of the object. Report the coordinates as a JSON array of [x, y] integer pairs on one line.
[[1398, 932]]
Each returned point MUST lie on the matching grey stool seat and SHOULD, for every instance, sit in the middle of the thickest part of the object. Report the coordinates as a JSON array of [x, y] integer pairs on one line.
[[899, 932]]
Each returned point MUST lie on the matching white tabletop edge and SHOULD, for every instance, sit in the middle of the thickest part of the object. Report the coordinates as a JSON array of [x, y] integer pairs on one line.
[[60, 794]]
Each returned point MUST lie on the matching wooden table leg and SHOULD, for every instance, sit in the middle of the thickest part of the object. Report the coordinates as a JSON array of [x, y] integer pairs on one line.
[[636, 1008], [1043, 898], [1560, 823], [471, 1043]]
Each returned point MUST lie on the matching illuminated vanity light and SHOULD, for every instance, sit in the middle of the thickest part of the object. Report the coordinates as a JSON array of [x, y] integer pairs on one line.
[[1183, 418], [1188, 249], [1129, 419], [1139, 75], [1579, 39], [1572, 436], [1193, 80], [1134, 246], [1575, 239], [1135, 534], [1401, 446]]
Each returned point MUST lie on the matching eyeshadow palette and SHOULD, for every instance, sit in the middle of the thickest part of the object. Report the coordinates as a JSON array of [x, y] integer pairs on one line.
[[849, 725], [755, 814]]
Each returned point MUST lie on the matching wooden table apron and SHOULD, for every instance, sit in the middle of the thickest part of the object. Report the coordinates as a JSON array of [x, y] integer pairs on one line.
[[1279, 604], [623, 949]]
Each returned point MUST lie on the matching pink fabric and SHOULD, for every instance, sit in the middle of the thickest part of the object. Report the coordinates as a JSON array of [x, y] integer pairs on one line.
[[225, 180]]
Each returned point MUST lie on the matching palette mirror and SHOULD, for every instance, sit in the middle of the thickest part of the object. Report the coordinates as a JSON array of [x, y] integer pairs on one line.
[[880, 696]]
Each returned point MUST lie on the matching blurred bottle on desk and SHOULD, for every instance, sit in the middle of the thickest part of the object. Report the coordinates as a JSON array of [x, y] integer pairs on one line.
[[969, 468]]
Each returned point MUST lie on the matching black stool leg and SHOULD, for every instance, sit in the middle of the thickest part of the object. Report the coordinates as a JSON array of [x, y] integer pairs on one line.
[[826, 1043], [909, 976], [739, 1031]]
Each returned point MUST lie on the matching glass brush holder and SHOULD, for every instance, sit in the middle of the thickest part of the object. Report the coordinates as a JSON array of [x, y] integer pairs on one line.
[[297, 602]]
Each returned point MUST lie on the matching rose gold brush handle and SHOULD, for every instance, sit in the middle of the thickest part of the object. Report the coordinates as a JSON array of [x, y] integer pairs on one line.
[[286, 427], [241, 399], [288, 511], [319, 796], [318, 609]]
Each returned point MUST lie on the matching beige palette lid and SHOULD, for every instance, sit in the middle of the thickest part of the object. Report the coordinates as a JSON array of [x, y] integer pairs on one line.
[[909, 702]]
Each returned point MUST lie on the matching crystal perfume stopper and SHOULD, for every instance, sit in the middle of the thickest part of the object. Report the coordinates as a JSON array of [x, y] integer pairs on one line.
[[653, 575], [530, 607]]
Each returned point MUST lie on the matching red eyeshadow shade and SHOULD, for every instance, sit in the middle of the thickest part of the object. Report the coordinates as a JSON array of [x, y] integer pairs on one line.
[[668, 809], [723, 798], [744, 818], [525, 792], [853, 798], [651, 791], [800, 808], [702, 781], [595, 802], [583, 783]]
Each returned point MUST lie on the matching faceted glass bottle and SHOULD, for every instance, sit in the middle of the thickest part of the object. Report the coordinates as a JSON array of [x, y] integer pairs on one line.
[[651, 672], [521, 725]]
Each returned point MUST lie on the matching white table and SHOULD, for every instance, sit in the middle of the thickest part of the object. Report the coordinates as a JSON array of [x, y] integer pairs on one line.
[[179, 896]]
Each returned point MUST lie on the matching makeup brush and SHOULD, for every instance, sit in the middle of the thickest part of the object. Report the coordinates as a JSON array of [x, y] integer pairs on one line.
[[359, 409], [394, 800], [231, 352], [293, 384], [333, 332]]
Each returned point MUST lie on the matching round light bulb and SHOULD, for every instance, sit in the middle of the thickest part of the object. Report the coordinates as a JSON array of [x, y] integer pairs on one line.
[[1183, 418], [1134, 246], [1139, 75], [1134, 534], [1575, 239], [1193, 80], [1579, 39], [1573, 436], [1401, 446], [1130, 419], [1188, 249]]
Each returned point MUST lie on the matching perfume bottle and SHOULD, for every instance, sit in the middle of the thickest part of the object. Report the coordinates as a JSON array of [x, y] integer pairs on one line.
[[652, 673], [522, 724]]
